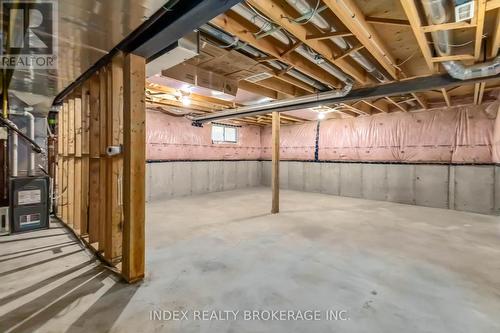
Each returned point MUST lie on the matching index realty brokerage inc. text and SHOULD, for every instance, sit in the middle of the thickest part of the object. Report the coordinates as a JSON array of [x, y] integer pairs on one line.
[[258, 315]]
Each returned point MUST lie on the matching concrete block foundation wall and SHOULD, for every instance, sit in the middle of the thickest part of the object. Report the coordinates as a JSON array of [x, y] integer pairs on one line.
[[172, 179], [472, 188]]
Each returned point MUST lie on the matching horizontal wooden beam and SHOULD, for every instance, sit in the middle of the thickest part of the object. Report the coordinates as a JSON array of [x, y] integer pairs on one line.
[[345, 10], [256, 89], [416, 24], [244, 30], [399, 106], [387, 21], [492, 4], [446, 96], [275, 12], [447, 26], [456, 57], [328, 35]]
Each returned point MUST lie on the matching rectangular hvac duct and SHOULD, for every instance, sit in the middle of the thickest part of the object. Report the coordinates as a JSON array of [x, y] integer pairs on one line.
[[185, 48]]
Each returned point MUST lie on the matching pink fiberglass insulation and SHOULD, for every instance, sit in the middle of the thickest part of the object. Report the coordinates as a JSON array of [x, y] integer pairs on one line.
[[173, 138], [459, 135], [297, 142], [494, 109], [463, 134]]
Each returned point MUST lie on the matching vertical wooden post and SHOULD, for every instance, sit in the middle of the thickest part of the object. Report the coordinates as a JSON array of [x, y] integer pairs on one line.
[[275, 181], [71, 161], [134, 168], [94, 202], [84, 223], [103, 106], [64, 196], [113, 231], [78, 166], [60, 130]]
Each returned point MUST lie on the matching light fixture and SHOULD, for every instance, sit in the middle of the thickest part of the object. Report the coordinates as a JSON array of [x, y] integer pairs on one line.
[[186, 101], [321, 115]]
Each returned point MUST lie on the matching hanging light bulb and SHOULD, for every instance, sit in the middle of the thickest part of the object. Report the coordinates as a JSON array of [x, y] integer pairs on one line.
[[186, 101]]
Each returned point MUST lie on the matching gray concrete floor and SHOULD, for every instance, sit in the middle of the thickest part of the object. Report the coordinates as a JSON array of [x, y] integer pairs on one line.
[[393, 268]]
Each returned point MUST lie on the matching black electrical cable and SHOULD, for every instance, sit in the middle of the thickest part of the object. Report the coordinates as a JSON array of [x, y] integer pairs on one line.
[[34, 145]]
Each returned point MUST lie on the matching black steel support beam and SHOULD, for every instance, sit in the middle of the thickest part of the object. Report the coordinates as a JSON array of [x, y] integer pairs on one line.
[[420, 84], [170, 23]]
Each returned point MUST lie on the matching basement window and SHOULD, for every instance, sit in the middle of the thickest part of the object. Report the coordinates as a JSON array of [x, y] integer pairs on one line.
[[224, 134]]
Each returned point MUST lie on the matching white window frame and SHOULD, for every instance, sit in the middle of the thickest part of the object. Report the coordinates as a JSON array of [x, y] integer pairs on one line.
[[224, 128]]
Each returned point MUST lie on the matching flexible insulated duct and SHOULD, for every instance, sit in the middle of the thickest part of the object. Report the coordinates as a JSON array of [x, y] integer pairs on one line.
[[266, 26], [305, 9], [439, 12], [230, 40]]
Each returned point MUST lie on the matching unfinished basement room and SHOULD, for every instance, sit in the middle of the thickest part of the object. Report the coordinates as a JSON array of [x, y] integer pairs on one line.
[[249, 166]]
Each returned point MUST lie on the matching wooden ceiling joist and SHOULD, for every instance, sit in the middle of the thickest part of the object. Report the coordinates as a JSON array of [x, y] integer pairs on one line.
[[245, 30], [456, 57], [328, 35], [354, 20], [492, 4], [415, 23], [281, 86], [377, 106], [448, 26], [256, 89], [387, 21], [420, 99], [479, 92], [479, 22], [290, 79], [276, 14], [393, 102], [494, 43], [446, 97], [211, 101]]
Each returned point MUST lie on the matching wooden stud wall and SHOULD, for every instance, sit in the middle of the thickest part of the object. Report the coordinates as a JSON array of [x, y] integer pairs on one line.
[[90, 184]]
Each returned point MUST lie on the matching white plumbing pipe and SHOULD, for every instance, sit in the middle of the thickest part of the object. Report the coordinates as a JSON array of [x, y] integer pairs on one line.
[[15, 146], [31, 130]]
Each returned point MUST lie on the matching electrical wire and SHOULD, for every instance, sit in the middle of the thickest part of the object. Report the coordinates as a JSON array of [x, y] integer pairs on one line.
[[298, 21]]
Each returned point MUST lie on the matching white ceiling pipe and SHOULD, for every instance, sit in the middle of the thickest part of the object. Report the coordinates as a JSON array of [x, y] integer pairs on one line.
[[438, 12], [15, 148], [304, 8], [231, 113], [266, 26], [31, 127]]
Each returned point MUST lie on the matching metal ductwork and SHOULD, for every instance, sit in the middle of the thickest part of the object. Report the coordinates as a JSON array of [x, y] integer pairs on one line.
[[234, 42], [265, 26], [290, 102], [439, 12], [315, 18]]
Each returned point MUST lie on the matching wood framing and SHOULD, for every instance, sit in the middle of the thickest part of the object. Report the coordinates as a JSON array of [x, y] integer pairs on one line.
[[387, 21], [238, 27], [113, 233], [94, 198], [446, 96], [364, 32], [416, 24], [494, 42], [275, 177], [276, 14], [479, 22], [134, 168]]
